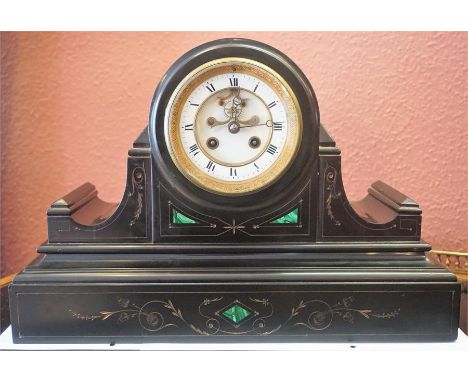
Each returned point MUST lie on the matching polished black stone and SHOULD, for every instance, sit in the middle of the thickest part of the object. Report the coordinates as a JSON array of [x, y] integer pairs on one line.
[[344, 271]]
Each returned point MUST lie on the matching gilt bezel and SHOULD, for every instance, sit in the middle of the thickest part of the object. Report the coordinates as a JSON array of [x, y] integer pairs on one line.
[[180, 97]]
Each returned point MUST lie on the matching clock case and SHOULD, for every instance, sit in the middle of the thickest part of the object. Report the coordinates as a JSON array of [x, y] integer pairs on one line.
[[296, 261]]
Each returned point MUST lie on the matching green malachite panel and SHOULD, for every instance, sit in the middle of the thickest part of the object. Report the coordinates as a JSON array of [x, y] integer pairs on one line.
[[180, 218], [292, 217], [236, 313]]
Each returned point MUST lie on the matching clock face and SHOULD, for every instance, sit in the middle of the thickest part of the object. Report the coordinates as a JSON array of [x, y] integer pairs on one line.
[[233, 126]]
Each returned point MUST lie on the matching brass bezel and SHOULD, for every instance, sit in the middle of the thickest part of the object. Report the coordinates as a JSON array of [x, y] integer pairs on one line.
[[180, 96]]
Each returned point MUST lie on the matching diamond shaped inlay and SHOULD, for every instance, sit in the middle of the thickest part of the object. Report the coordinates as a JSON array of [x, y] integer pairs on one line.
[[236, 313]]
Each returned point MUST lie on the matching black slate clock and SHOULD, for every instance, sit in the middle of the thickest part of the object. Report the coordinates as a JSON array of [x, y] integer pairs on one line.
[[234, 226]]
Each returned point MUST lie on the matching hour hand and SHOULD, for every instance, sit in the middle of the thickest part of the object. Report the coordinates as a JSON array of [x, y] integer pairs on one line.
[[251, 121], [212, 122]]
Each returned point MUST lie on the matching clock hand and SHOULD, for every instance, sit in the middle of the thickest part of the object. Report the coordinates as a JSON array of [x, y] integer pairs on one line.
[[234, 111], [253, 120], [234, 125], [237, 105], [267, 123], [212, 121]]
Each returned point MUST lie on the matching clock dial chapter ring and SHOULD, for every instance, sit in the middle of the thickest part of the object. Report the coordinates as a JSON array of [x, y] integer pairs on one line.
[[234, 134], [185, 160]]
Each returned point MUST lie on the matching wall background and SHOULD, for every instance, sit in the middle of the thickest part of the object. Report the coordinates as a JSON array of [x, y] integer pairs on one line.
[[72, 104]]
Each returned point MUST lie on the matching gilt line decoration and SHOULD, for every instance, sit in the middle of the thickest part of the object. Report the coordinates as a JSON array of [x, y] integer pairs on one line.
[[221, 316]]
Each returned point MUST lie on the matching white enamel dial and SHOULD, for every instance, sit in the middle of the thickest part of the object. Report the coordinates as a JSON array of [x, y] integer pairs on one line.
[[230, 125]]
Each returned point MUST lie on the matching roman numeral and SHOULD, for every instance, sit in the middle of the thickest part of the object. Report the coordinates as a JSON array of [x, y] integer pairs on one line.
[[272, 104], [211, 88], [256, 166], [278, 126], [233, 171], [194, 104], [234, 81], [188, 127], [272, 149], [210, 166], [256, 86], [194, 149]]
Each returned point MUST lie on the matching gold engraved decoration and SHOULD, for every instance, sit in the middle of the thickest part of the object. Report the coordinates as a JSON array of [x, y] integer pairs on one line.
[[315, 315]]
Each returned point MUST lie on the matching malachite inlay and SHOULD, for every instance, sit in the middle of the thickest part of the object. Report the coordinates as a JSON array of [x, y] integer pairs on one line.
[[236, 313], [180, 218], [292, 217]]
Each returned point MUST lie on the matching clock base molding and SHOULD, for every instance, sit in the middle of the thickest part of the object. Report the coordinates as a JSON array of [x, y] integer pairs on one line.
[[364, 300]]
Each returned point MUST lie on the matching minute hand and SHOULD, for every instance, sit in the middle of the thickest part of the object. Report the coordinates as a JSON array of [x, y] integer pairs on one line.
[[267, 123]]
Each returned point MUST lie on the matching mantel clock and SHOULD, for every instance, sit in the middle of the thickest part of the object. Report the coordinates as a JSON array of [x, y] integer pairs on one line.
[[234, 226]]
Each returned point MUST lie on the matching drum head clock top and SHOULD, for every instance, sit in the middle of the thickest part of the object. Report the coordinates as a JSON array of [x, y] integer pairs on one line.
[[233, 117]]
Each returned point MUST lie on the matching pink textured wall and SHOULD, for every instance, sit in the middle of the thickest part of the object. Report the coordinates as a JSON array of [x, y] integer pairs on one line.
[[72, 103]]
